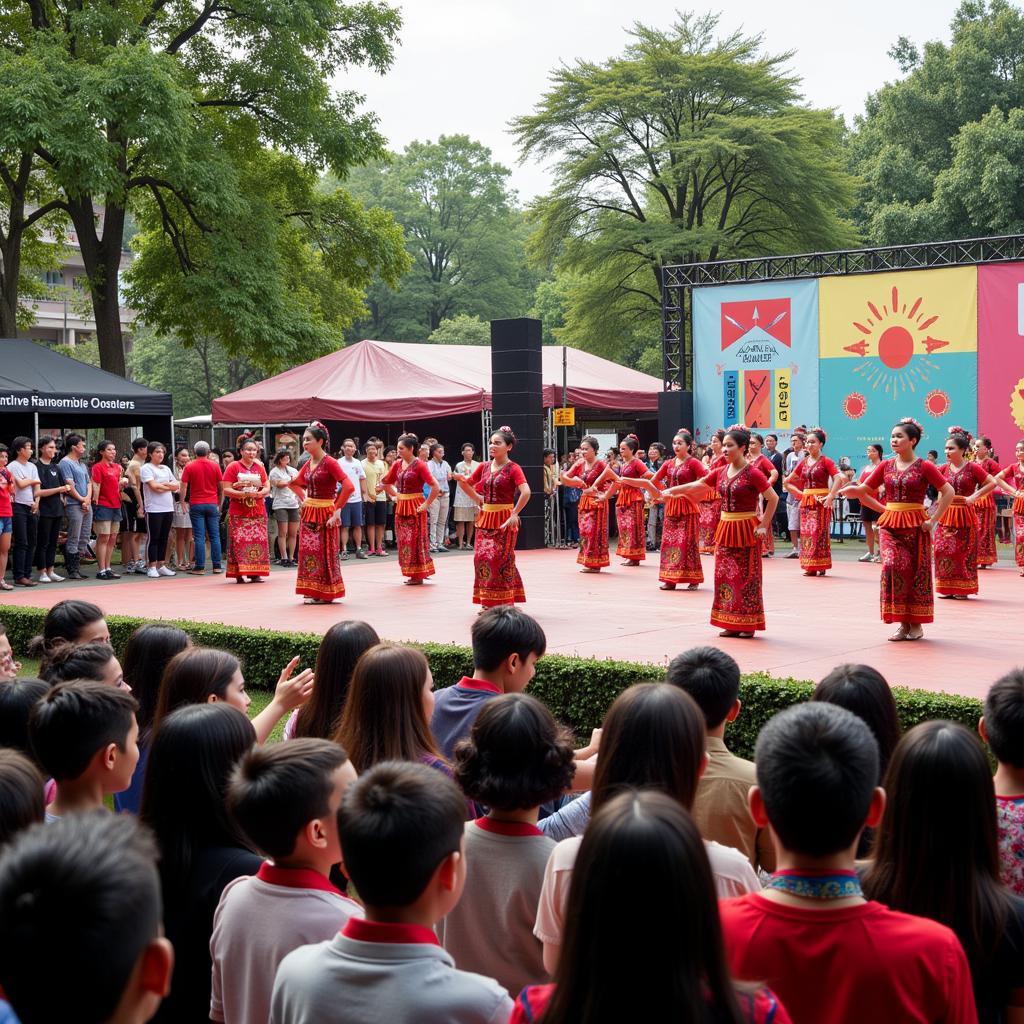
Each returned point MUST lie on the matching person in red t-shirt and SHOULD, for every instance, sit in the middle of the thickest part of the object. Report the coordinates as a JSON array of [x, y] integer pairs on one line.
[[202, 490], [829, 953], [6, 514], [106, 501]]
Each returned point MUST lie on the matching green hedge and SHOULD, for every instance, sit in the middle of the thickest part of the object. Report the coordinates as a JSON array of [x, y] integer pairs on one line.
[[578, 690]]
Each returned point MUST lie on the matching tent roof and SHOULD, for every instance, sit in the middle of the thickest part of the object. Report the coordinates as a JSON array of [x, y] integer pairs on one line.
[[387, 380]]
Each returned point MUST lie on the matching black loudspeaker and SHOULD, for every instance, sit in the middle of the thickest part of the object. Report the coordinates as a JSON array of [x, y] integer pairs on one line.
[[675, 410], [517, 402]]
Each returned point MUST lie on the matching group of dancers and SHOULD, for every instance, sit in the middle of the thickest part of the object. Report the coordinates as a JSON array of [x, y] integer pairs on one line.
[[726, 509]]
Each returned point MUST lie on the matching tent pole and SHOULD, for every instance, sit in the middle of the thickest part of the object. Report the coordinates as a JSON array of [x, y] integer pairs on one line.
[[35, 429]]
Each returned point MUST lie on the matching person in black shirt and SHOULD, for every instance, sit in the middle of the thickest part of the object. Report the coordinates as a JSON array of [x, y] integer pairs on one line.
[[52, 489], [772, 453]]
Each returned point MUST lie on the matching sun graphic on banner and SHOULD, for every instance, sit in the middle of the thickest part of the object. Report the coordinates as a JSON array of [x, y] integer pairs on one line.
[[1017, 403], [891, 337]]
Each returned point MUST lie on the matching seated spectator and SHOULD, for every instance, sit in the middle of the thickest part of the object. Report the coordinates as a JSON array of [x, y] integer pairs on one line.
[[341, 647], [85, 736], [22, 802], [653, 738], [204, 675], [939, 788], [78, 622], [9, 668], [17, 698], [285, 799], [829, 953], [516, 758], [65, 661], [104, 868], [712, 678], [676, 973], [401, 831], [1002, 728], [193, 753]]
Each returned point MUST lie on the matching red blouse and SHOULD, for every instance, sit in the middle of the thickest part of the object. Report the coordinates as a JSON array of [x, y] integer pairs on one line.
[[965, 480], [322, 481], [589, 476], [409, 479], [635, 470], [250, 508], [1017, 476], [764, 464], [498, 488], [819, 476], [738, 493], [6, 483], [990, 466], [909, 486], [672, 474]]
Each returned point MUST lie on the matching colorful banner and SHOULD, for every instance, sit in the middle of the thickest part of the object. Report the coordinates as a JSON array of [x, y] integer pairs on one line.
[[1001, 356], [755, 356], [895, 345]]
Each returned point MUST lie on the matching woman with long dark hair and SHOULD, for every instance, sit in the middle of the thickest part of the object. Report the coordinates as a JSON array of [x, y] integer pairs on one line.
[[193, 754], [936, 855], [710, 504], [65, 661], [404, 483], [905, 529], [1011, 480], [988, 553], [592, 476], [815, 483], [757, 458], [159, 487], [629, 502], [342, 646], [676, 974], [79, 622], [869, 516]]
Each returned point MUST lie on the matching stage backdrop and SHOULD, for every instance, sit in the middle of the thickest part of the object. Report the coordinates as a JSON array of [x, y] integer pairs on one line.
[[755, 356], [1001, 357], [895, 345]]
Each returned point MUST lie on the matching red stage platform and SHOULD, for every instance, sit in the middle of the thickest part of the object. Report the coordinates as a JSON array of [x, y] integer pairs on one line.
[[813, 623]]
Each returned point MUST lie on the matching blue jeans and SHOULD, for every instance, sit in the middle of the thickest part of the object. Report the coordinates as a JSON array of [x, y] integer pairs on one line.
[[206, 520]]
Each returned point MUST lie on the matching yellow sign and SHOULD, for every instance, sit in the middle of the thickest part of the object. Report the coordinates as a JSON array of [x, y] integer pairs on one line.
[[565, 417], [783, 400]]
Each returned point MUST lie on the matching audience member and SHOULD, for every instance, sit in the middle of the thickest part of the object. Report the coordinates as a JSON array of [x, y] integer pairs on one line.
[[87, 885], [22, 800], [375, 510], [75, 474], [26, 510], [352, 513], [202, 489], [712, 678], [285, 798], [6, 515], [829, 953], [402, 841], [50, 497], [438, 511], [517, 757], [79, 622], [9, 668], [17, 699], [65, 661]]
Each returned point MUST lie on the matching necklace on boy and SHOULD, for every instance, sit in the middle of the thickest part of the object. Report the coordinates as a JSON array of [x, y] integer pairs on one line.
[[839, 885]]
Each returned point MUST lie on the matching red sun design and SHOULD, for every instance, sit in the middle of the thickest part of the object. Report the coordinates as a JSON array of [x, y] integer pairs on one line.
[[937, 403], [855, 405], [891, 336]]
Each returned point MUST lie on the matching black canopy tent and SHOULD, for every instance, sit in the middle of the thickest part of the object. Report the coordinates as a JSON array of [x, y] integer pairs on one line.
[[42, 390]]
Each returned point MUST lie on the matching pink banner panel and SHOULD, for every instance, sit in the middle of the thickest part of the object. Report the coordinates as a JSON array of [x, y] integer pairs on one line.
[[1001, 356]]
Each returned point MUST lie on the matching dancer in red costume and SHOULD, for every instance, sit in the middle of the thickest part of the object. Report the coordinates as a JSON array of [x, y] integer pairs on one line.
[[763, 463], [956, 536], [1011, 480], [905, 530], [245, 483], [500, 490], [404, 482], [815, 483], [319, 578], [710, 504], [738, 608], [593, 476], [629, 505], [988, 553]]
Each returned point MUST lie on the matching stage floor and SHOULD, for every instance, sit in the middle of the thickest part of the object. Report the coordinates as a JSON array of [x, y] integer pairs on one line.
[[814, 624]]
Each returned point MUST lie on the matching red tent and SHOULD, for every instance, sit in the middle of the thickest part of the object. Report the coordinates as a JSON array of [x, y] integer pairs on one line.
[[386, 380]]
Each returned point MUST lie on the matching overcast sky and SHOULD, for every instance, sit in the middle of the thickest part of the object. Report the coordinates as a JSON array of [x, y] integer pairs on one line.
[[472, 65]]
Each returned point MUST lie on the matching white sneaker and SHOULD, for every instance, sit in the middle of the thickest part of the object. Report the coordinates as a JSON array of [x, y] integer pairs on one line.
[[164, 571], [54, 578], [153, 574], [43, 578]]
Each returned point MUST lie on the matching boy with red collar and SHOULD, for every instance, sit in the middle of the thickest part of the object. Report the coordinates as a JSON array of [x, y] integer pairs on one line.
[[285, 798], [401, 828], [826, 951]]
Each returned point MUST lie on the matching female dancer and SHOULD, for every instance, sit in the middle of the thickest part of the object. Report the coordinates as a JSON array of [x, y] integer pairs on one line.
[[593, 476], [494, 486], [710, 505], [986, 507], [763, 463], [905, 529], [815, 483], [404, 482], [738, 607], [680, 557], [1011, 480], [629, 503], [956, 536], [245, 483], [317, 484], [868, 516]]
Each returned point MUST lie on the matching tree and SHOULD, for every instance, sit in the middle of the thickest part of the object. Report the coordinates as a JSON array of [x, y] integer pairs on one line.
[[684, 148], [938, 149], [462, 233], [162, 98], [461, 330]]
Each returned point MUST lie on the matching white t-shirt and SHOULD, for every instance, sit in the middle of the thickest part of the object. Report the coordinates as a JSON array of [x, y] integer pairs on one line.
[[355, 473], [156, 501], [284, 497], [26, 471], [462, 499]]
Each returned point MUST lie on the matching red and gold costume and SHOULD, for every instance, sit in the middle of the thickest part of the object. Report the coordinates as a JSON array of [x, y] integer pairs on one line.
[[496, 579], [709, 509], [815, 519], [956, 535], [986, 509], [739, 598], [412, 530], [906, 548], [680, 555], [319, 573], [764, 464], [1016, 480], [593, 517], [248, 544], [629, 513]]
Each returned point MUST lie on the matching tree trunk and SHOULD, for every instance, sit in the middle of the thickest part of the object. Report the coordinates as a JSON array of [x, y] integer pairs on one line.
[[10, 253]]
